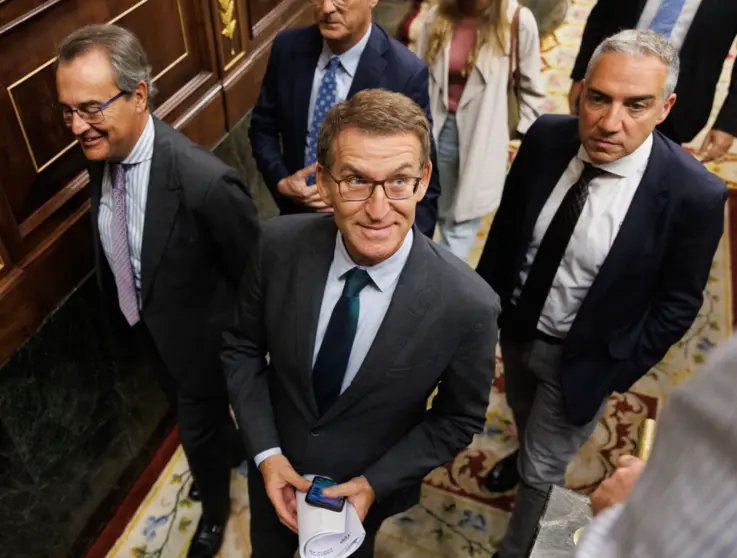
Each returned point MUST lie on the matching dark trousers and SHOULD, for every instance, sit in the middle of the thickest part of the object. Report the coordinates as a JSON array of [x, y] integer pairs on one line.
[[271, 539], [206, 430]]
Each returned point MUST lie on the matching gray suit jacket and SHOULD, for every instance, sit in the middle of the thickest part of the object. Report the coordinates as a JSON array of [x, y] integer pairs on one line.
[[440, 330]]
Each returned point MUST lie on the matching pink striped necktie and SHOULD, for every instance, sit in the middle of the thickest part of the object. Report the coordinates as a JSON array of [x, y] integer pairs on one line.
[[122, 267]]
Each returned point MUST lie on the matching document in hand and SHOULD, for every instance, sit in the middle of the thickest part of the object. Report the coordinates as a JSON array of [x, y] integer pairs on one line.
[[327, 534]]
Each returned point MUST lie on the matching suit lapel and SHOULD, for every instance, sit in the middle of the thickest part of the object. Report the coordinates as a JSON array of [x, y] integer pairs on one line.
[[313, 268], [372, 63], [640, 6], [303, 72], [554, 163], [412, 297], [162, 205], [705, 16], [439, 73], [643, 213], [96, 171]]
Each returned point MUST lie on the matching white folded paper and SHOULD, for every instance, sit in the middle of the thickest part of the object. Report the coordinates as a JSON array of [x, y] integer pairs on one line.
[[325, 533]]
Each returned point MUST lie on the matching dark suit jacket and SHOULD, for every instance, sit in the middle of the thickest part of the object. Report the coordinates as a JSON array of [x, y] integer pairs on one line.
[[279, 123], [649, 288], [704, 50], [200, 227], [439, 328]]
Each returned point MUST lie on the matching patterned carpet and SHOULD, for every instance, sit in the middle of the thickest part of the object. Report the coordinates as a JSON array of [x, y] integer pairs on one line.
[[457, 518]]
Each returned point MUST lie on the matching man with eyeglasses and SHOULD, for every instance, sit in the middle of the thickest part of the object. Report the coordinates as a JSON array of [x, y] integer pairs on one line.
[[173, 228], [311, 69], [362, 318]]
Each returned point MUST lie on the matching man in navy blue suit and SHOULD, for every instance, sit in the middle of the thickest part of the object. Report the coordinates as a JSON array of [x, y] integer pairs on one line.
[[309, 70], [600, 252]]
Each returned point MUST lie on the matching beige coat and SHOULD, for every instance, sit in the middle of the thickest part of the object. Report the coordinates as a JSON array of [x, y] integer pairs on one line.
[[482, 114]]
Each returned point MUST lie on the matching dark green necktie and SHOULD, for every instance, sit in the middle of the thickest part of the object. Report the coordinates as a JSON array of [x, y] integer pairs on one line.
[[332, 360]]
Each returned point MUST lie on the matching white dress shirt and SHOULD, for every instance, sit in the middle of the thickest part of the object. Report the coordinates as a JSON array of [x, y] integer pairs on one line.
[[610, 196], [137, 172], [682, 25], [685, 503], [374, 301], [344, 76]]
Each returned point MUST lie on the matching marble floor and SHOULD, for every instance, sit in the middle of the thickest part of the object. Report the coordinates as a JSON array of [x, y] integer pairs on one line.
[[456, 516]]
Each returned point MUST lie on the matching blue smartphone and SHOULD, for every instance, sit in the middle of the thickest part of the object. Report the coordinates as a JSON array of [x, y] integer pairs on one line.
[[315, 498]]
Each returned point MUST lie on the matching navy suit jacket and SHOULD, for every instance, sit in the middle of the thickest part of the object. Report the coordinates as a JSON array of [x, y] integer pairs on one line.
[[649, 288], [279, 122]]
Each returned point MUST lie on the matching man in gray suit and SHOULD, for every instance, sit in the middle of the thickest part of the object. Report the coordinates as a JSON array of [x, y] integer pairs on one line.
[[362, 318]]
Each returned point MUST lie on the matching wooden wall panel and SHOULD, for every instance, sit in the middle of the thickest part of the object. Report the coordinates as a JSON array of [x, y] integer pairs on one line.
[[242, 75], [208, 58], [233, 34], [258, 10]]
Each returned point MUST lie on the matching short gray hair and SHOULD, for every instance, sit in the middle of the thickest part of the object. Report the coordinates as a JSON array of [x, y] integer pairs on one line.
[[642, 42], [127, 57]]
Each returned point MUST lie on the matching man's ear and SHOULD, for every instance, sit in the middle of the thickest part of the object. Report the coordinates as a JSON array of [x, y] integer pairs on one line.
[[667, 108], [323, 186], [425, 182], [141, 95]]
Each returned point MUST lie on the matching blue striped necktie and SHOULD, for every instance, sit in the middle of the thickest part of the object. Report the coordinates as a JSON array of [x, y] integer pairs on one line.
[[332, 360], [666, 16]]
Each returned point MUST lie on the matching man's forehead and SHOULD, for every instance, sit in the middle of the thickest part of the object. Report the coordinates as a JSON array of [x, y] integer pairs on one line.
[[634, 67], [87, 79], [377, 157], [92, 65], [628, 75], [354, 139]]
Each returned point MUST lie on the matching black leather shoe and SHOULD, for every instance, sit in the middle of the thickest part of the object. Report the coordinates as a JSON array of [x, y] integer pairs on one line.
[[207, 540], [194, 493], [503, 476]]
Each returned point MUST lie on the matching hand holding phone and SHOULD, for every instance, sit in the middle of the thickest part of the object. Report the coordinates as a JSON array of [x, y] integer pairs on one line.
[[315, 497]]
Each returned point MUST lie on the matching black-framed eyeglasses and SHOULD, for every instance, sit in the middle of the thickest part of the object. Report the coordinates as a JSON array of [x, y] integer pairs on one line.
[[91, 114], [358, 188]]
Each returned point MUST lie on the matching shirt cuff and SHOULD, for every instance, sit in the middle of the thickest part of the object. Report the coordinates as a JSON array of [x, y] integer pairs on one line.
[[264, 455]]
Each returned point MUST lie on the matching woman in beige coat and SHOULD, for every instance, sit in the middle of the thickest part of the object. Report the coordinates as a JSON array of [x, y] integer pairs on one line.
[[466, 44]]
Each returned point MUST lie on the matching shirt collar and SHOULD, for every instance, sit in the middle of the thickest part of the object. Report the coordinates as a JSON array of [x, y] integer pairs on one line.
[[383, 274], [350, 58], [144, 148], [626, 166]]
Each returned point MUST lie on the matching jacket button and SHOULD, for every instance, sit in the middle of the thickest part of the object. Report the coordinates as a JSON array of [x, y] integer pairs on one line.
[[315, 432]]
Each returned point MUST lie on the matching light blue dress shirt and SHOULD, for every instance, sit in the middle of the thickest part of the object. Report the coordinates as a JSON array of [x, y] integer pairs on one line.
[[346, 71], [137, 173], [374, 302]]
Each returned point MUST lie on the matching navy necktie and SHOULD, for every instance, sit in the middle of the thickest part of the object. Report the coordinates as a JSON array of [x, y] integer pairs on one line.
[[551, 250], [332, 360]]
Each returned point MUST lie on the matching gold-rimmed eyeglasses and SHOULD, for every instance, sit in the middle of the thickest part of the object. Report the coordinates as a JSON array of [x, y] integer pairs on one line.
[[358, 188], [92, 114]]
